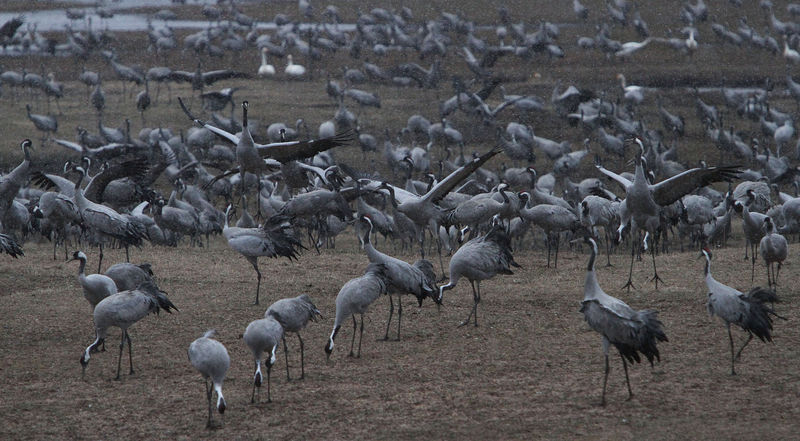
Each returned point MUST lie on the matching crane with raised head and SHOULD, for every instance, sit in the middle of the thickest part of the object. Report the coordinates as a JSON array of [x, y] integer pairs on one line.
[[630, 331]]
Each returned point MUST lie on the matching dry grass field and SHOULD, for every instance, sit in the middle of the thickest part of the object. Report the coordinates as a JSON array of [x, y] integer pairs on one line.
[[532, 370]]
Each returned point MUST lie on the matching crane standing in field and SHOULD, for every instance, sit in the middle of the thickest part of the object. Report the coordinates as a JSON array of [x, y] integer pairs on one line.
[[629, 330], [122, 310], [275, 238], [774, 249], [354, 298], [479, 259], [643, 201], [402, 278], [748, 311], [263, 335], [294, 314], [211, 359]]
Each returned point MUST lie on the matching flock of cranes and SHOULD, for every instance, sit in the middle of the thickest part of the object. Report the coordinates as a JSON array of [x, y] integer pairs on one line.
[[296, 184]]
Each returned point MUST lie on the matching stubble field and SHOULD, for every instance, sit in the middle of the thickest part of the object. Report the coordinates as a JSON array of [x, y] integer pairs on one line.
[[532, 369]]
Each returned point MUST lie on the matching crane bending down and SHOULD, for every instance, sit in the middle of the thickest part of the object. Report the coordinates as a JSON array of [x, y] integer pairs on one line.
[[748, 311], [211, 359], [480, 259], [354, 298], [122, 310], [630, 331], [418, 279], [263, 335], [643, 201], [294, 314]]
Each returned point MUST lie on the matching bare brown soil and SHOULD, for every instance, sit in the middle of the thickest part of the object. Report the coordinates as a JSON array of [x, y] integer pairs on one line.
[[532, 369]]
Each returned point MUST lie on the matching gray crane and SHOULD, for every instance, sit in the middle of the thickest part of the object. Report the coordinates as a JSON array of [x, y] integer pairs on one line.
[[263, 335], [128, 276], [275, 238], [294, 314], [122, 310], [98, 98], [96, 287], [774, 249], [422, 210], [753, 229], [44, 123], [479, 259], [11, 183], [630, 331], [354, 298], [643, 201], [211, 359], [553, 219], [105, 221], [9, 246], [748, 311], [143, 100], [402, 278], [596, 211], [257, 158]]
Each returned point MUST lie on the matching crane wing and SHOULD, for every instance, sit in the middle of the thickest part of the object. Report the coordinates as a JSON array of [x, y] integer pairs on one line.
[[294, 150], [135, 169], [445, 185], [674, 188], [624, 182], [70, 145], [213, 76]]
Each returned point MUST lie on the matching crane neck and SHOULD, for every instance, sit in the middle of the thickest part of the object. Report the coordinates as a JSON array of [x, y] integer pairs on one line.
[[82, 268], [263, 59], [591, 287]]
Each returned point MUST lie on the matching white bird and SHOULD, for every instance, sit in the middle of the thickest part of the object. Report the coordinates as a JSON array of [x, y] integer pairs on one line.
[[748, 311], [266, 69], [294, 314], [263, 335], [479, 259], [354, 298], [96, 287], [630, 331], [292, 70], [631, 93], [122, 310], [774, 249], [211, 359]]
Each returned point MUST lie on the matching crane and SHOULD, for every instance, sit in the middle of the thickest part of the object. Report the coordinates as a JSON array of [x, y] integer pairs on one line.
[[630, 331], [354, 298], [479, 259], [643, 201], [96, 287], [294, 314], [122, 310], [275, 238], [774, 249], [402, 278], [211, 359], [748, 311], [263, 335]]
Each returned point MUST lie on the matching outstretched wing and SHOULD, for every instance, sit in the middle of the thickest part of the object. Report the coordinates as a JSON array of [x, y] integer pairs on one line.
[[621, 180], [295, 150], [445, 185], [674, 188]]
